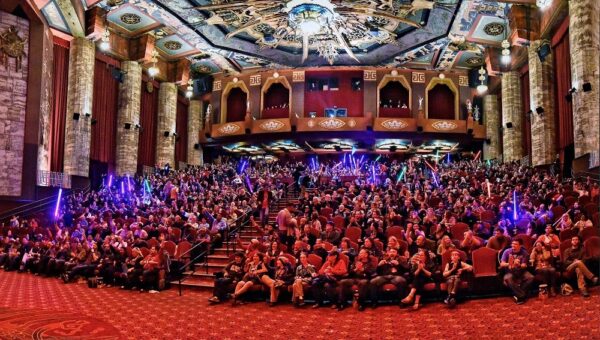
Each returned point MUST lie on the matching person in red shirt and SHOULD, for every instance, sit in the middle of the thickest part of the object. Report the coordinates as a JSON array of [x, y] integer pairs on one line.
[[151, 264], [264, 200], [330, 273]]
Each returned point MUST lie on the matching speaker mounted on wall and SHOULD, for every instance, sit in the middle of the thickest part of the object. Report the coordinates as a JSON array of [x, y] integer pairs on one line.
[[509, 125]]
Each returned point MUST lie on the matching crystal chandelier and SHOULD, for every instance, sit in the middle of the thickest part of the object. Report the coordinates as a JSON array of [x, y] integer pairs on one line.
[[105, 40], [190, 89], [153, 70], [505, 52]]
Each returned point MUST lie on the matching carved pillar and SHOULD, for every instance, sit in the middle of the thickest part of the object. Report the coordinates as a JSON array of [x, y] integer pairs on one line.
[[511, 116], [491, 115], [130, 91], [194, 150], [79, 107], [541, 89], [584, 38], [167, 113]]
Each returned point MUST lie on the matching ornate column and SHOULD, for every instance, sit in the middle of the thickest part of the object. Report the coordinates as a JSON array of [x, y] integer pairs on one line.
[[584, 38], [79, 107], [128, 118], [194, 150], [167, 113], [511, 116], [491, 117], [541, 93]]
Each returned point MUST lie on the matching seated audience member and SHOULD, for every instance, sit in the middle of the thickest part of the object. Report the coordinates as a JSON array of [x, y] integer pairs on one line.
[[549, 239], [573, 258], [226, 281], [362, 270], [499, 241], [516, 277], [422, 267], [445, 244], [305, 272], [151, 266], [453, 274], [255, 271], [283, 277], [390, 269], [583, 222], [347, 249], [333, 270], [543, 260]]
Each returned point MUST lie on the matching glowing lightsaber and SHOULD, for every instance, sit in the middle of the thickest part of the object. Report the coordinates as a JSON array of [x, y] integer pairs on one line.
[[487, 181], [110, 181], [435, 179], [429, 165], [402, 174], [58, 202], [373, 170], [378, 157], [515, 205], [448, 157], [122, 187], [477, 155], [249, 185], [128, 183]]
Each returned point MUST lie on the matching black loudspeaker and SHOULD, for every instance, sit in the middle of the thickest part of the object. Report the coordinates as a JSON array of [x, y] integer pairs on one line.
[[488, 141], [196, 146], [543, 51], [203, 85], [337, 148], [166, 133], [356, 84], [539, 110], [470, 131], [369, 128], [419, 129], [127, 126], [586, 87], [117, 74], [509, 125], [393, 148], [248, 131], [93, 121], [76, 116]]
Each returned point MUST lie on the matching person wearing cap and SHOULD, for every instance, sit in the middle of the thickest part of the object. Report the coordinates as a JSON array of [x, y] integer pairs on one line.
[[226, 280]]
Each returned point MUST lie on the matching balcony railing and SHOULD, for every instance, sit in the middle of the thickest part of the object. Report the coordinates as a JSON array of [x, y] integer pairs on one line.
[[53, 179]]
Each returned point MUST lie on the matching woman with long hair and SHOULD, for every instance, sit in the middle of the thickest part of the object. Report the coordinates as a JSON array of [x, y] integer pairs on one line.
[[255, 272]]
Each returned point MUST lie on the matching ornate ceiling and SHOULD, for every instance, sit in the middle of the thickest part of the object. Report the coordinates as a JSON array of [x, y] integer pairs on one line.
[[235, 35]]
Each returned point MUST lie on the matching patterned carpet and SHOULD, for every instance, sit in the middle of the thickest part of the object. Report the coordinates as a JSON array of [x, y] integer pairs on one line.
[[43, 308]]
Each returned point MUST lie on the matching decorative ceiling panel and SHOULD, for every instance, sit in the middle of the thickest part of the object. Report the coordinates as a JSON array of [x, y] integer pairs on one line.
[[488, 30], [174, 45], [55, 17]]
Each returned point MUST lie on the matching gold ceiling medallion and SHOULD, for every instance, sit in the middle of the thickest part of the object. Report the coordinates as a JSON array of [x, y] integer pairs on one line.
[[130, 18], [493, 28], [172, 45], [11, 45], [322, 26]]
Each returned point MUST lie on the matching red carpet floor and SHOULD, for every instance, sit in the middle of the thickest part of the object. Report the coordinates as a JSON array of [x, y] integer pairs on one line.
[[43, 308]]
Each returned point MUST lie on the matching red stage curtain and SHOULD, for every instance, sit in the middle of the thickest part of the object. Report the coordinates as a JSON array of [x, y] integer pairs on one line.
[[441, 102], [236, 105], [104, 110], [148, 117], [59, 106], [525, 120], [181, 129], [562, 71], [344, 97]]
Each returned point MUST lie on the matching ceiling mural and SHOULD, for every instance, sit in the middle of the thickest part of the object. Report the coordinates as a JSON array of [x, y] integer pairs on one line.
[[234, 35]]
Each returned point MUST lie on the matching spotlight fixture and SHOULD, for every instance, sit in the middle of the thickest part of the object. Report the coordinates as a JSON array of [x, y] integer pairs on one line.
[[539, 110], [127, 126], [276, 74], [175, 134], [166, 133], [586, 87], [481, 88], [509, 125], [393, 148], [197, 146], [442, 76], [93, 121], [337, 148], [505, 52], [76, 116], [394, 73], [190, 89], [138, 126], [88, 115], [153, 70], [105, 41]]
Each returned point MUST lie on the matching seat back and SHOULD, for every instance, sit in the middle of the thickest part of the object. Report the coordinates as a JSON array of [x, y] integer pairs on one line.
[[558, 211], [563, 246], [583, 200], [353, 233], [488, 216], [567, 234], [484, 262], [395, 231], [592, 247], [458, 230], [590, 208], [182, 248], [315, 260], [170, 247], [323, 221], [569, 201], [176, 232], [326, 212], [291, 258], [152, 243], [339, 222]]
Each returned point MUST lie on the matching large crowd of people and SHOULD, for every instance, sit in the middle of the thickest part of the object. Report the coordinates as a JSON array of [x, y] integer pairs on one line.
[[365, 230]]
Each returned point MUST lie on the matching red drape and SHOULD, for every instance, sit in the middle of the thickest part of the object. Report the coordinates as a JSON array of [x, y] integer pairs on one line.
[[564, 109], [104, 111], [276, 97], [148, 117], [181, 129], [525, 120], [59, 106], [344, 97], [236, 105], [441, 102]]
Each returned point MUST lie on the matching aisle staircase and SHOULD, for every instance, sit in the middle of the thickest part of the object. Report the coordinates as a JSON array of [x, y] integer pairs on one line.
[[203, 275]]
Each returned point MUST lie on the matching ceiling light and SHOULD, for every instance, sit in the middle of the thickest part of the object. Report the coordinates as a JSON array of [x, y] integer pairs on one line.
[[235, 79], [481, 88], [394, 73], [153, 70], [505, 52], [543, 4], [190, 89], [275, 75], [442, 76], [309, 27], [105, 41]]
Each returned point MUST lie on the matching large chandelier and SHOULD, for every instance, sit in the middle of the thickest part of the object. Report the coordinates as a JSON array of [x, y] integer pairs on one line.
[[481, 88], [323, 26]]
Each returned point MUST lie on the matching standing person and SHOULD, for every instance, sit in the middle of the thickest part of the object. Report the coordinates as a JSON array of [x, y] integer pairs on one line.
[[231, 275], [516, 277], [284, 217], [264, 197], [452, 274], [573, 262]]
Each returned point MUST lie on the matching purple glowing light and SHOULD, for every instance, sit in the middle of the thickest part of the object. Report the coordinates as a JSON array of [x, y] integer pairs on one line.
[[58, 202]]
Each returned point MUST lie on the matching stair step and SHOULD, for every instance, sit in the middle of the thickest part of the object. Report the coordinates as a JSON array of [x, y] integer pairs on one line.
[[199, 276], [218, 259], [192, 283], [212, 267]]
